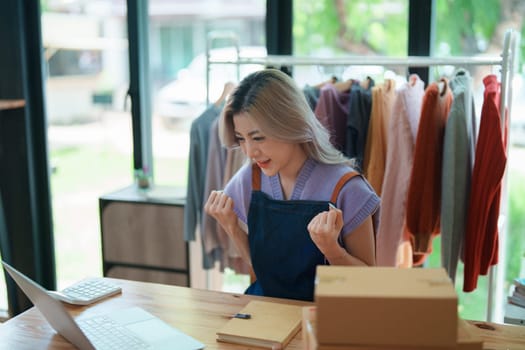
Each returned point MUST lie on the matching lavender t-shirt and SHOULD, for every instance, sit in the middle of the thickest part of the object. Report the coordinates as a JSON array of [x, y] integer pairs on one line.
[[316, 181]]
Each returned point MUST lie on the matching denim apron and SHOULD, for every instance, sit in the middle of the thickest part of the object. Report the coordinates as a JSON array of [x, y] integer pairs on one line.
[[284, 257]]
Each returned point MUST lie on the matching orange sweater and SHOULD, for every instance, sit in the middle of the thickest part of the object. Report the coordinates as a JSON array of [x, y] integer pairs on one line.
[[383, 96], [481, 236], [424, 192]]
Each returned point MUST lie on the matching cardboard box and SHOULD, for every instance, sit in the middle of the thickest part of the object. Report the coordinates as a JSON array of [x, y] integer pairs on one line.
[[308, 331], [467, 340], [385, 306]]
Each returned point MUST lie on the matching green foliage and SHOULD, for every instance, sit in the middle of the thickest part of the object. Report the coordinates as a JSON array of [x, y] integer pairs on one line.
[[516, 232], [375, 24], [387, 31], [315, 25], [78, 169], [44, 5], [462, 26]]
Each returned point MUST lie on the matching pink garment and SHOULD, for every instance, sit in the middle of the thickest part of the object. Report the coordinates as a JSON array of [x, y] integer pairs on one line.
[[399, 159]]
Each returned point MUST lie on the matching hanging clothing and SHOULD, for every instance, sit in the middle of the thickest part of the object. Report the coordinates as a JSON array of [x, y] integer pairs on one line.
[[383, 97], [262, 212], [357, 120], [424, 191], [312, 94], [213, 180], [198, 156], [332, 111], [458, 160], [221, 165], [481, 236], [400, 148]]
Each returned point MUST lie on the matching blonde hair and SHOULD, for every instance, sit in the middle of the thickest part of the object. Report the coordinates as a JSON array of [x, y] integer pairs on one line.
[[280, 109]]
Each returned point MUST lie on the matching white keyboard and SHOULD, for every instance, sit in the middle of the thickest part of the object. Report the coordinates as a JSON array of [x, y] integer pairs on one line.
[[87, 291], [105, 333]]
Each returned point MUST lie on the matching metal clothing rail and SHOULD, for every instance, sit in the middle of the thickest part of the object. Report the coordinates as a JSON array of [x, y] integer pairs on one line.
[[511, 44], [412, 61], [507, 61]]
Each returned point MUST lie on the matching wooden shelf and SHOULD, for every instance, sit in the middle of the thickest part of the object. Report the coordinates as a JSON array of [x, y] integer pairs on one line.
[[11, 104]]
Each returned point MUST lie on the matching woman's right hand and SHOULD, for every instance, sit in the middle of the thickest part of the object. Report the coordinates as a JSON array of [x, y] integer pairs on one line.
[[220, 206]]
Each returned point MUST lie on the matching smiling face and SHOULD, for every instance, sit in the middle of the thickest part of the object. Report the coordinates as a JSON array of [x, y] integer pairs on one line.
[[271, 155]]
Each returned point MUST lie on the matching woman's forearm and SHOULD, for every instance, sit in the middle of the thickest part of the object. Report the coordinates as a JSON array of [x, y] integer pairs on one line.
[[240, 239], [359, 247], [342, 257]]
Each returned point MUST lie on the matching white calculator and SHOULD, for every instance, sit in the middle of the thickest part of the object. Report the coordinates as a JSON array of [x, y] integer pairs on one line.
[[87, 291]]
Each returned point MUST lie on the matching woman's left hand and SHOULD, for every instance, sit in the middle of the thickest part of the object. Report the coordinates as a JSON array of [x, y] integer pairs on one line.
[[324, 230]]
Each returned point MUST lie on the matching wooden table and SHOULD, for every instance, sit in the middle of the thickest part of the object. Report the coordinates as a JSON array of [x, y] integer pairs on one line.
[[199, 313]]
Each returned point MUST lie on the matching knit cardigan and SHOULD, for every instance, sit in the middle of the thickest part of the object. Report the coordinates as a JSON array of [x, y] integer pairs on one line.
[[424, 192], [481, 236]]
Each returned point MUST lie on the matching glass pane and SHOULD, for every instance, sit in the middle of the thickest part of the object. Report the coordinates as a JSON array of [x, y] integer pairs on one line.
[[89, 129], [179, 31], [178, 68], [365, 27], [472, 28], [463, 28], [329, 29]]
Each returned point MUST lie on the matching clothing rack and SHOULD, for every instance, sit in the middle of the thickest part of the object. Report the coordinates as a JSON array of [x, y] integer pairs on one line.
[[507, 60]]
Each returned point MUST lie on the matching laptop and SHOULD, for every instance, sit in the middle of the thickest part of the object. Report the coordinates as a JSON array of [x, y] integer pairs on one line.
[[134, 327]]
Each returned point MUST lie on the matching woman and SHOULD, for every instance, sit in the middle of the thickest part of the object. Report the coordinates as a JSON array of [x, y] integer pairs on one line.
[[277, 209]]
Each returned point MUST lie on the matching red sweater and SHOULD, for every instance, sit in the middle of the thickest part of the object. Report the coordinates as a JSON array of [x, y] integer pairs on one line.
[[424, 192], [481, 235]]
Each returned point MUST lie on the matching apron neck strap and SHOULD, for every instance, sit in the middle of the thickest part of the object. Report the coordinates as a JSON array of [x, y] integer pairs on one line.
[[256, 177], [342, 181]]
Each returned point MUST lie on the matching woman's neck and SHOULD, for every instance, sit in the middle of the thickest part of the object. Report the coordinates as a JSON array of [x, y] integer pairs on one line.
[[288, 176]]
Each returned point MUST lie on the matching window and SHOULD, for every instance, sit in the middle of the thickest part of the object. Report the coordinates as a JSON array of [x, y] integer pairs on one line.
[[178, 42], [462, 28], [342, 28], [75, 62], [471, 28], [89, 130], [178, 38]]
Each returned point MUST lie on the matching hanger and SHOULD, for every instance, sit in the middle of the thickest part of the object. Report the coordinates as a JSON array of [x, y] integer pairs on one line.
[[344, 86], [227, 89], [442, 85]]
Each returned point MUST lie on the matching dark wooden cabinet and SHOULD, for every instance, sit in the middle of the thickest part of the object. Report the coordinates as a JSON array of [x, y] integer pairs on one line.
[[142, 235]]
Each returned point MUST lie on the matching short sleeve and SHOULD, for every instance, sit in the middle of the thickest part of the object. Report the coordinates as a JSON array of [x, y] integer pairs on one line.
[[239, 188], [358, 200]]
